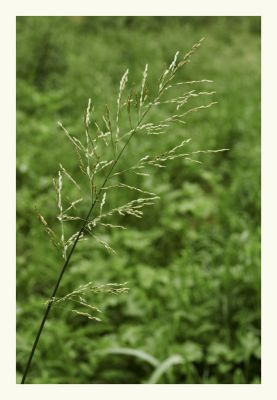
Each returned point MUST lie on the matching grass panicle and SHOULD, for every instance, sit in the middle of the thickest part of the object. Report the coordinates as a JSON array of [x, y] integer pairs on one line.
[[98, 155]]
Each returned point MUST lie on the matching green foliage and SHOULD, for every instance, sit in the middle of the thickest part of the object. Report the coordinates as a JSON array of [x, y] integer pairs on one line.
[[193, 263]]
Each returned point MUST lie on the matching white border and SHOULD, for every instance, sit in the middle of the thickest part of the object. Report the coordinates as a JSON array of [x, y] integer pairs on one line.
[[267, 390], [141, 7]]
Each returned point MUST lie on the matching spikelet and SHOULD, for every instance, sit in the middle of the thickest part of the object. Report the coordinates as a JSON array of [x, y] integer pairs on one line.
[[102, 203], [142, 91], [122, 85], [69, 176]]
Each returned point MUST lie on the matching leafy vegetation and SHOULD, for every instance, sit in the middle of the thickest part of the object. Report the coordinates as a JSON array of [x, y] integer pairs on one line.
[[192, 314]]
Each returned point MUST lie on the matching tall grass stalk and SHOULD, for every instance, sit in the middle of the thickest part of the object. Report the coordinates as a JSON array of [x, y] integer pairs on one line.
[[109, 140]]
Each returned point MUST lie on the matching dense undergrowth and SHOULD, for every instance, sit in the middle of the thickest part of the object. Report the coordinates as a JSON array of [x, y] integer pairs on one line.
[[193, 264]]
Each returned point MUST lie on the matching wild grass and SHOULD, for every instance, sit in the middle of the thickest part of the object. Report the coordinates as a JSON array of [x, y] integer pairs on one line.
[[191, 291], [98, 154]]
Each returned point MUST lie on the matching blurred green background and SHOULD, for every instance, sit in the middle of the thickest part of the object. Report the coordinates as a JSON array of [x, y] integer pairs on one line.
[[193, 263]]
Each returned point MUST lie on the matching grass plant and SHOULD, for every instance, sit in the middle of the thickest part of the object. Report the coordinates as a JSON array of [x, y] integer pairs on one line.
[[99, 153]]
